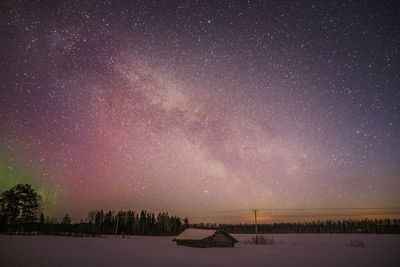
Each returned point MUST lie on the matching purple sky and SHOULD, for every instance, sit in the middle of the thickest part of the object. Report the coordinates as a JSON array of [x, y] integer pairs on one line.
[[201, 108]]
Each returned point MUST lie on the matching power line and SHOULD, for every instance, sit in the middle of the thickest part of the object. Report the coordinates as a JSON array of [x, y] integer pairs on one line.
[[359, 208], [291, 209]]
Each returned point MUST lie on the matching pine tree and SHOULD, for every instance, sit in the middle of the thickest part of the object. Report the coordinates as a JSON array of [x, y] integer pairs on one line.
[[19, 206]]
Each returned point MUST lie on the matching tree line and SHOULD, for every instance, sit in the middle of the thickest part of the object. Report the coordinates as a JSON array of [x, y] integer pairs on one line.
[[19, 213], [128, 222], [366, 226]]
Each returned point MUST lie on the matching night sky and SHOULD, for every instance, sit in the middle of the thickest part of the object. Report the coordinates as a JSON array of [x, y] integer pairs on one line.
[[199, 107]]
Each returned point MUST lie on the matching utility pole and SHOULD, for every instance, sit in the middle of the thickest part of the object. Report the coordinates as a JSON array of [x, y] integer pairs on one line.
[[116, 226], [255, 224]]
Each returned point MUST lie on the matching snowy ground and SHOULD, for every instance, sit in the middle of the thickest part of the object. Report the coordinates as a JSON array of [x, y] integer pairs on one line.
[[289, 250]]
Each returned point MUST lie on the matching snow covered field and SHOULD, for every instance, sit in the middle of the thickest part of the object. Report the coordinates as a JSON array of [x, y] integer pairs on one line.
[[288, 250]]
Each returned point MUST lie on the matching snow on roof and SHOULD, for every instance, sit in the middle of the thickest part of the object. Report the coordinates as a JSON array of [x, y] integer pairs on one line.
[[195, 234]]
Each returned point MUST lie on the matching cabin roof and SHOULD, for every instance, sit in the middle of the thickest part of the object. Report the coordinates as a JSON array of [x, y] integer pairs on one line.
[[195, 234], [200, 234]]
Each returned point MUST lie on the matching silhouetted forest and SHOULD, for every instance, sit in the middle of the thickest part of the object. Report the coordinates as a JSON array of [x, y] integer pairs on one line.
[[366, 226], [19, 214], [103, 223], [122, 223]]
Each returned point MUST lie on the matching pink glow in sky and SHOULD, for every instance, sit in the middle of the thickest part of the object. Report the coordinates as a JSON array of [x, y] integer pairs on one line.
[[122, 107]]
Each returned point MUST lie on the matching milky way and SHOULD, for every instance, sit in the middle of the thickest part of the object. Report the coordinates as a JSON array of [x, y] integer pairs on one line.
[[201, 107]]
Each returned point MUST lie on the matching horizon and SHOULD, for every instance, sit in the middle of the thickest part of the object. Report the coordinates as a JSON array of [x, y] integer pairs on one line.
[[269, 216], [202, 107]]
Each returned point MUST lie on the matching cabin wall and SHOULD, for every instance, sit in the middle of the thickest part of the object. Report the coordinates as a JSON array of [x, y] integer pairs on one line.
[[195, 243], [221, 240], [217, 240]]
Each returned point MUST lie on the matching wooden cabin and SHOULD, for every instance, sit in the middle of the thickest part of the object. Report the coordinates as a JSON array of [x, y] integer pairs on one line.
[[205, 238]]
